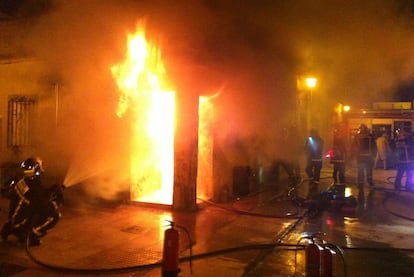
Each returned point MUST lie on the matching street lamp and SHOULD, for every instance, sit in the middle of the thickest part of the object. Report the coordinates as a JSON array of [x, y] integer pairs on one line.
[[347, 108], [311, 82]]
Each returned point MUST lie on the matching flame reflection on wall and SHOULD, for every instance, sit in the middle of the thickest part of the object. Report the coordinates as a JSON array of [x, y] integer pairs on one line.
[[205, 148]]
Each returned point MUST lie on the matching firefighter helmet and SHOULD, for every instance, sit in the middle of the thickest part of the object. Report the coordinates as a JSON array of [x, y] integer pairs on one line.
[[32, 167]]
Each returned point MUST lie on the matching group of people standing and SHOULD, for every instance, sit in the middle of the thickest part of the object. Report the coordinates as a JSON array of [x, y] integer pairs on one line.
[[398, 154], [365, 150]]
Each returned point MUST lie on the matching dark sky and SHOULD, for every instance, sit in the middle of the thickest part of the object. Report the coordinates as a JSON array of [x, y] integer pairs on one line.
[[360, 50]]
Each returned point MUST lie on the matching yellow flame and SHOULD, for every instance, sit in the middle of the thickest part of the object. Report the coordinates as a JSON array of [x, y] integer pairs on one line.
[[139, 79], [205, 149]]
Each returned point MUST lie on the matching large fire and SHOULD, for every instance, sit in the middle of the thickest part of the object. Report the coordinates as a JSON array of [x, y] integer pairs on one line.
[[140, 79]]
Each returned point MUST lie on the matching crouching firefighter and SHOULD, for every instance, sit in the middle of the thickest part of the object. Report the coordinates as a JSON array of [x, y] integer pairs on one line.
[[31, 206], [47, 215], [24, 198]]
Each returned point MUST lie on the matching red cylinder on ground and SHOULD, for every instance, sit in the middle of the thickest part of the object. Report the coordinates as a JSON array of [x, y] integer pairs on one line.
[[327, 262], [170, 259], [313, 260]]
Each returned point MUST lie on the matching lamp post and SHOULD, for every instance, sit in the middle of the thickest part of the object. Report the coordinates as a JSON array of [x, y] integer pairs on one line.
[[310, 85]]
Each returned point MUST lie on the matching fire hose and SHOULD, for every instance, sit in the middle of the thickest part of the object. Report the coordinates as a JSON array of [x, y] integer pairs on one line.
[[192, 257], [270, 247], [248, 213], [288, 247], [158, 264]]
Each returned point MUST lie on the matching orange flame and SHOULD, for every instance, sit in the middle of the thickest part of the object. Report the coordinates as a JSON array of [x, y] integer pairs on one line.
[[205, 149], [139, 79]]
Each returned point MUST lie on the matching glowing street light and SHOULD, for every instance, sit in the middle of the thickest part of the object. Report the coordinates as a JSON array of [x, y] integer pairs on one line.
[[347, 108], [311, 82]]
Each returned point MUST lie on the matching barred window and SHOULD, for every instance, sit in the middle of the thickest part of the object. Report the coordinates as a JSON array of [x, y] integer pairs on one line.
[[20, 114]]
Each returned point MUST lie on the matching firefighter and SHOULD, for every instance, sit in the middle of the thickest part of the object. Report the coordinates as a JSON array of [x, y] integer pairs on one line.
[[31, 208], [338, 157], [295, 150], [24, 198], [363, 149], [288, 155], [405, 163], [48, 214], [314, 154]]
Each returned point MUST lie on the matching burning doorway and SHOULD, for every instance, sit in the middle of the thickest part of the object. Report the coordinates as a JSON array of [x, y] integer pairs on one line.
[[141, 81]]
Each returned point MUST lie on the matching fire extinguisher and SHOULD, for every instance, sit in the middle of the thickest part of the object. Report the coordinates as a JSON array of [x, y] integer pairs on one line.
[[313, 259], [327, 261], [319, 258], [170, 258]]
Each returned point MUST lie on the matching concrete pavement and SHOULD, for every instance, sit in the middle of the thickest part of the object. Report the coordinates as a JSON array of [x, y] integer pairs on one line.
[[256, 235]]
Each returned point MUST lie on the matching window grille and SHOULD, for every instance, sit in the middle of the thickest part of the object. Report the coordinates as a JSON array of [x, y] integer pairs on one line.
[[20, 114]]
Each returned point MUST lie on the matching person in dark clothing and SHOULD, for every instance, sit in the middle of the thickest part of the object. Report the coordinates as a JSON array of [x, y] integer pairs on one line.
[[314, 160], [296, 151], [405, 162], [25, 195], [287, 157], [338, 157], [32, 209], [48, 214], [363, 149]]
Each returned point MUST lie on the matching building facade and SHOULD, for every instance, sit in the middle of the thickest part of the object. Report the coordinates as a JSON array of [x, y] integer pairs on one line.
[[384, 117], [27, 100]]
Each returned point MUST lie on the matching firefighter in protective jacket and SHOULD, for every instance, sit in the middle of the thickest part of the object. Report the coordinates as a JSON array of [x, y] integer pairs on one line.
[[314, 155], [48, 215], [32, 208], [363, 149], [405, 164], [288, 154], [338, 156]]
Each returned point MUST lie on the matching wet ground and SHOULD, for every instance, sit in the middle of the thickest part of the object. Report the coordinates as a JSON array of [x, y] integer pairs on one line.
[[261, 234]]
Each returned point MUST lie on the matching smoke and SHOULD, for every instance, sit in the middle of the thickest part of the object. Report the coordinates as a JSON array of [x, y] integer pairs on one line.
[[250, 51]]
